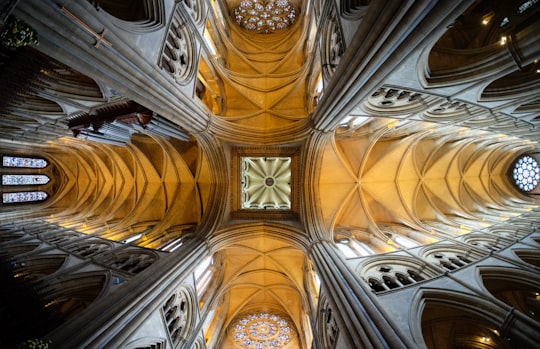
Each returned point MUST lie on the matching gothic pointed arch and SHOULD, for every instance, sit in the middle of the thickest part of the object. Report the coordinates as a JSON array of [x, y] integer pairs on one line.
[[149, 342], [179, 52], [353, 9], [445, 319], [180, 313], [333, 44], [516, 85], [483, 42], [139, 16], [385, 273], [33, 268], [529, 256], [71, 294], [517, 288]]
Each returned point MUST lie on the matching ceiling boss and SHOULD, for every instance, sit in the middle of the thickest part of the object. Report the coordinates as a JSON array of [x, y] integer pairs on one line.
[[265, 17]]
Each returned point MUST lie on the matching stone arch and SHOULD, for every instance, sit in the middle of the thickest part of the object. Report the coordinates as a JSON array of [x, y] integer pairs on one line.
[[89, 248], [518, 84], [18, 249], [179, 313], [333, 44], [8, 235], [71, 294], [511, 231], [139, 16], [146, 343], [517, 288], [390, 101], [131, 261], [199, 343], [487, 241], [61, 81], [450, 256], [196, 9], [353, 9], [179, 52], [529, 256], [60, 237], [385, 273], [464, 320], [481, 44], [33, 268], [529, 107]]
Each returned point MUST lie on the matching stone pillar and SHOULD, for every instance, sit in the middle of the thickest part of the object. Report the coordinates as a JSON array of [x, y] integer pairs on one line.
[[388, 33], [361, 321], [96, 47], [110, 321]]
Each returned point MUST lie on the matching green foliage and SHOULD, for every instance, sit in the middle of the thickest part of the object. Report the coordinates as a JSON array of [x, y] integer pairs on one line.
[[34, 344], [16, 33]]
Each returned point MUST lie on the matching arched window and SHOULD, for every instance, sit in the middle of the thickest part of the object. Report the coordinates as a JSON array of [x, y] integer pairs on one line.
[[14, 178], [24, 196], [24, 179], [15, 161], [352, 248]]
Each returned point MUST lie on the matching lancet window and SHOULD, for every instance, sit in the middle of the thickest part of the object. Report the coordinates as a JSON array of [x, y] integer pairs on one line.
[[24, 179], [15, 161], [16, 164], [24, 196]]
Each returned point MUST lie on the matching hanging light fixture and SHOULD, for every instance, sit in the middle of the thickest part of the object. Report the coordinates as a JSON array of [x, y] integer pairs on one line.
[[265, 16]]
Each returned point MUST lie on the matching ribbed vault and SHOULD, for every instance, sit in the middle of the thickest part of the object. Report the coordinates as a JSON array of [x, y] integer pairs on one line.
[[372, 180], [146, 192]]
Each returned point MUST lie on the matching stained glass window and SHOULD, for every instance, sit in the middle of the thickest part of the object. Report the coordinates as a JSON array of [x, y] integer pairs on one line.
[[262, 331], [13, 161], [24, 179], [24, 196], [526, 173]]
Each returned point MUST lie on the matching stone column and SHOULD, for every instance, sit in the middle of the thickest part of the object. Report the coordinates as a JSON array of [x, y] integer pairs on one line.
[[110, 321], [387, 34], [361, 321], [111, 59]]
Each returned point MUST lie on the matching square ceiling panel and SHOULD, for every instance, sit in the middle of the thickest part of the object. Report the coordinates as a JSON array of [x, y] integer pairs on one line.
[[264, 183]]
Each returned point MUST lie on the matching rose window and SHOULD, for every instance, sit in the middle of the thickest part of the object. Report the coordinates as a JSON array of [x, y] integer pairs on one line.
[[262, 330], [265, 16], [526, 173]]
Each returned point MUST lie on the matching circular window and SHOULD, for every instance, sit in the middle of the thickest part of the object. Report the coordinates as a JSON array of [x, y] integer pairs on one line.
[[262, 330], [526, 173]]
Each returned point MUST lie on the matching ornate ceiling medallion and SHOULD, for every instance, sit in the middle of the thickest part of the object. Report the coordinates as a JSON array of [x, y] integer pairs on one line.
[[265, 16], [266, 183], [262, 330]]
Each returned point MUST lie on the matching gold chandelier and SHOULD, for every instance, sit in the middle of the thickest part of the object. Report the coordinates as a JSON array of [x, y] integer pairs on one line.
[[265, 16]]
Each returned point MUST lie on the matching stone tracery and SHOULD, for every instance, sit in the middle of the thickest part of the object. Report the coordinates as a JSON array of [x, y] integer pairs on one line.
[[261, 330], [265, 16]]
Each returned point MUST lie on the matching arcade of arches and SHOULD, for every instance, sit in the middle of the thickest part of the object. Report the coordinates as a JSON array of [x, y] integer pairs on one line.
[[271, 174]]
